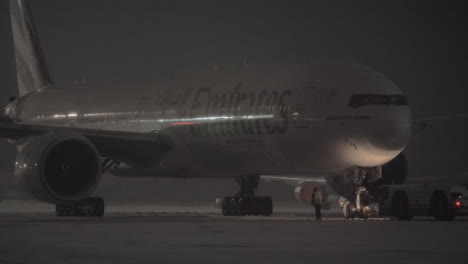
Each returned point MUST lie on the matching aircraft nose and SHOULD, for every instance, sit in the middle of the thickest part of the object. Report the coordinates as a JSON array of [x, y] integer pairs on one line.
[[391, 137], [382, 139], [393, 132]]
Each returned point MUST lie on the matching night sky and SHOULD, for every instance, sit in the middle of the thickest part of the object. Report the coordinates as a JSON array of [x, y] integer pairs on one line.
[[421, 45]]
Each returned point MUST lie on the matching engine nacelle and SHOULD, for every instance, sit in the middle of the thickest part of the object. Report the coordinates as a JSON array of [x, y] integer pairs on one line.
[[303, 192], [58, 167]]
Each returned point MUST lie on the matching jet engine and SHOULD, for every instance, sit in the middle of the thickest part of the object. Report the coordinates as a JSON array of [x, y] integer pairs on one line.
[[58, 168], [303, 193]]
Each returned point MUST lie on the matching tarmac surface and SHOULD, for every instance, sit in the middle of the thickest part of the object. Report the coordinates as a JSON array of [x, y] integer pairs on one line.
[[212, 238]]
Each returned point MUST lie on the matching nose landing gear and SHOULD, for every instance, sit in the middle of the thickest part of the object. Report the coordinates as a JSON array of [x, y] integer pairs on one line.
[[245, 202], [364, 204], [92, 206]]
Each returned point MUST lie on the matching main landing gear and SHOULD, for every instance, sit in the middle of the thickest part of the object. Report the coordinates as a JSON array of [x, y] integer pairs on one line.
[[245, 202], [92, 206]]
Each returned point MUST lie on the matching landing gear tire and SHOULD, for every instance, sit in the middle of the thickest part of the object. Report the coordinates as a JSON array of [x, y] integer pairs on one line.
[[245, 202], [226, 206], [267, 206], [400, 206], [348, 211], [242, 206], [93, 206], [61, 213], [99, 207], [233, 206], [439, 208]]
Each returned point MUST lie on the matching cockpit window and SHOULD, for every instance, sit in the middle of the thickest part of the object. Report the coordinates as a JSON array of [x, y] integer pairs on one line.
[[360, 100]]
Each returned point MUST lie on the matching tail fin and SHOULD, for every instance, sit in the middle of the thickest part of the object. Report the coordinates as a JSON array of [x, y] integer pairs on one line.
[[31, 69]]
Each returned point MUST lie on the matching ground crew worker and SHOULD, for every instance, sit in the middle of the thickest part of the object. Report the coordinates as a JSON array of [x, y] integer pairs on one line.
[[317, 200]]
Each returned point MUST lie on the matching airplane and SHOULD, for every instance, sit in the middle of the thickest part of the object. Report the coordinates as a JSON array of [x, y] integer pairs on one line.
[[341, 121]]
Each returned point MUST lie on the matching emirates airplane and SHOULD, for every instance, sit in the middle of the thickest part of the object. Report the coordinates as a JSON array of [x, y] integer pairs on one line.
[[341, 121]]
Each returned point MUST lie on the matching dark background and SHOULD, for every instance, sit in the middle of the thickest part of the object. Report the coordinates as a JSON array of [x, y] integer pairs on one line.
[[420, 45]]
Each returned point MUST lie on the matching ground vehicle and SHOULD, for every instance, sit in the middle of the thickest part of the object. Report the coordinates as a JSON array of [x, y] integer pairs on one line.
[[406, 201]]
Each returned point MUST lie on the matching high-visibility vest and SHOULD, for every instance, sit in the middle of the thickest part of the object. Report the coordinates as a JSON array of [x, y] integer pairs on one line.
[[317, 197]]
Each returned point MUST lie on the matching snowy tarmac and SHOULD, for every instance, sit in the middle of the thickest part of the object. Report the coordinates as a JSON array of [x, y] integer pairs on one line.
[[211, 238]]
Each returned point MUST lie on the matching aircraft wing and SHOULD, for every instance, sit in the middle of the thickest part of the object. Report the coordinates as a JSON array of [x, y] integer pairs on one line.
[[446, 178], [294, 180], [422, 123], [115, 145]]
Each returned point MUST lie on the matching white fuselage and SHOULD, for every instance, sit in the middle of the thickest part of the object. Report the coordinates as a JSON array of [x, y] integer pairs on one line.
[[283, 119]]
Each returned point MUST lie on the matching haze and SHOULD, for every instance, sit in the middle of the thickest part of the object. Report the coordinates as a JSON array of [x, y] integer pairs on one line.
[[421, 46]]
